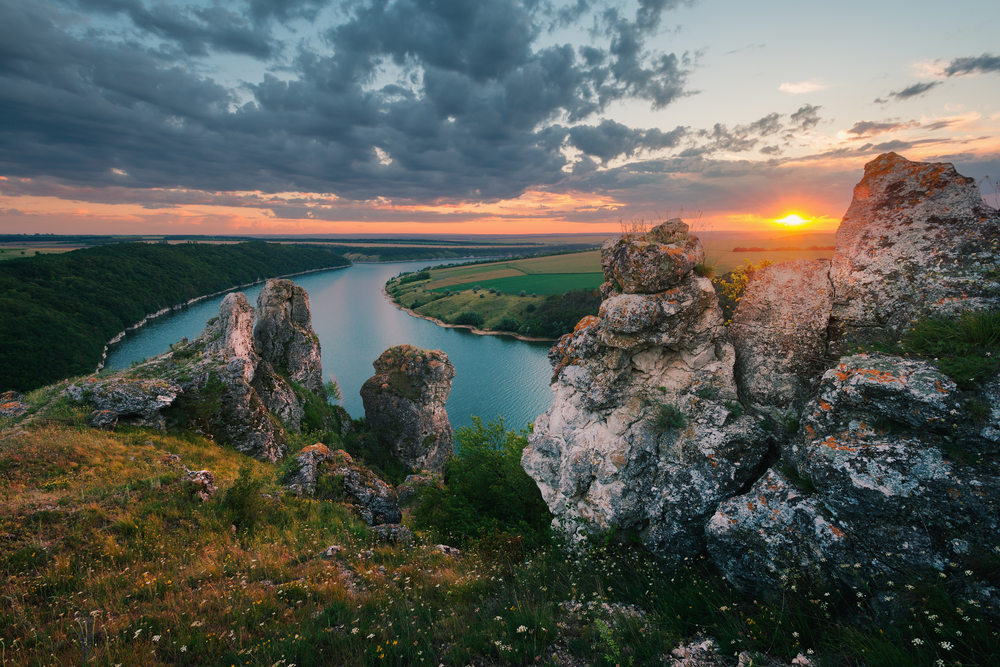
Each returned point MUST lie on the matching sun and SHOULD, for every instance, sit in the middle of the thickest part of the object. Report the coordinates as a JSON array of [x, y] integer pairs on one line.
[[792, 220]]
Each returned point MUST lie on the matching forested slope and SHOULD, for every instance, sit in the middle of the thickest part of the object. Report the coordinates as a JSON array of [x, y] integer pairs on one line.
[[58, 311]]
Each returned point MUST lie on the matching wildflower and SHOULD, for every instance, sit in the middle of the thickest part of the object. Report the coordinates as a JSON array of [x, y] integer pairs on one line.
[[354, 631], [498, 618], [917, 641], [156, 638], [371, 636], [946, 646], [521, 628], [184, 649]]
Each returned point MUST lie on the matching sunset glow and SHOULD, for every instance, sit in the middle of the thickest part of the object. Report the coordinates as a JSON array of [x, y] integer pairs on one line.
[[792, 220]]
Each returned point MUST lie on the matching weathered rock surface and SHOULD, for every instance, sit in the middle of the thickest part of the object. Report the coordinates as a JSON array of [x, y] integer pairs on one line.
[[136, 401], [12, 404], [918, 238], [335, 476], [894, 490], [201, 483], [219, 384], [405, 405], [284, 334], [653, 262], [643, 434], [779, 333]]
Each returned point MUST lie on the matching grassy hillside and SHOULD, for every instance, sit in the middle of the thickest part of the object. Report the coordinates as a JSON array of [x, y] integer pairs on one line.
[[109, 558], [57, 311]]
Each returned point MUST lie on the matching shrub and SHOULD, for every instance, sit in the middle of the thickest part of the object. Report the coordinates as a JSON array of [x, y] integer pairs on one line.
[[486, 489], [509, 324], [667, 417], [705, 270], [470, 317], [530, 308], [522, 293], [967, 348]]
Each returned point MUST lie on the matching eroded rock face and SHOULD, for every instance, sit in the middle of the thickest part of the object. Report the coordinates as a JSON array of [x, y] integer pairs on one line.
[[643, 434], [918, 238], [779, 333], [405, 405], [135, 401], [335, 476], [651, 263], [893, 486], [284, 333]]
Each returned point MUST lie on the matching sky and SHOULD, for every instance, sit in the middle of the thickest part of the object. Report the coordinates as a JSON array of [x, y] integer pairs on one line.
[[478, 116]]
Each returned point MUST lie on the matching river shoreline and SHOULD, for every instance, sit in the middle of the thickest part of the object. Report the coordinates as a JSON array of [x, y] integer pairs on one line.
[[481, 332], [182, 306]]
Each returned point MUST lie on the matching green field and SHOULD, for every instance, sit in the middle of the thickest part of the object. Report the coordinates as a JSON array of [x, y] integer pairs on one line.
[[538, 275]]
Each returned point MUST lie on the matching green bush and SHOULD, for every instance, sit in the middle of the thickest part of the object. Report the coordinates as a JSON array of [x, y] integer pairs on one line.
[[470, 317], [509, 324], [486, 489], [667, 417]]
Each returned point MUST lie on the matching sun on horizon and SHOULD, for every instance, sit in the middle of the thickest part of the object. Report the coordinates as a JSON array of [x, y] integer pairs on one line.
[[792, 220]]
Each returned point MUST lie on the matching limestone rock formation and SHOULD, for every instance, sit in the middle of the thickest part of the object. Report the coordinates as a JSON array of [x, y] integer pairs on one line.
[[886, 484], [779, 332], [918, 238], [284, 334], [136, 401], [219, 383], [405, 405], [644, 433], [335, 476]]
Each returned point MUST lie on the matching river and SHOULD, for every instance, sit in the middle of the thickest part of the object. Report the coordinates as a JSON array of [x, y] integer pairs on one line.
[[494, 375]]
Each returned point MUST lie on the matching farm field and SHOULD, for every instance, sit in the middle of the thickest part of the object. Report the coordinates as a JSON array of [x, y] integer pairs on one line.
[[539, 275]]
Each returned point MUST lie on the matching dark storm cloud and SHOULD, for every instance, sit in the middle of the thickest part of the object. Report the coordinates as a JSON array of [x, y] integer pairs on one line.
[[471, 115], [196, 31], [983, 64], [915, 90]]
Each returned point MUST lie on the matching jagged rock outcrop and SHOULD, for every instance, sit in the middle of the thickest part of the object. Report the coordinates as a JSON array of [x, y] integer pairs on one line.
[[405, 405], [335, 476], [893, 468], [779, 333], [119, 399], [644, 433], [12, 404], [219, 383], [284, 334], [917, 239], [883, 484]]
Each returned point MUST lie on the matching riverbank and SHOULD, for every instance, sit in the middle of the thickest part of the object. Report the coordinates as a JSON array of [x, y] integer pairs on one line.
[[445, 325], [191, 302]]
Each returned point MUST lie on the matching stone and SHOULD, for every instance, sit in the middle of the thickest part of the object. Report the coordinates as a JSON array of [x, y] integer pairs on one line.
[[331, 551], [105, 420], [335, 476], [886, 485], [284, 334], [917, 239], [135, 401], [645, 434], [394, 534], [407, 491], [202, 482], [779, 334], [652, 262], [12, 405], [448, 551], [405, 405]]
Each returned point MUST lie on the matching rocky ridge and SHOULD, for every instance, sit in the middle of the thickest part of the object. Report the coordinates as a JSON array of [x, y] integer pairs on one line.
[[881, 467]]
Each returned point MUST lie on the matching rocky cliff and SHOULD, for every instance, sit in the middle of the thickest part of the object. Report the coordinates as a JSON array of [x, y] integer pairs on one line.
[[405, 405], [243, 381], [645, 433], [884, 466]]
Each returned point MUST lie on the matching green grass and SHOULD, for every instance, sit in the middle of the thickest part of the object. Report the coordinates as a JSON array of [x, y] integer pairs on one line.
[[966, 348], [541, 283], [109, 559]]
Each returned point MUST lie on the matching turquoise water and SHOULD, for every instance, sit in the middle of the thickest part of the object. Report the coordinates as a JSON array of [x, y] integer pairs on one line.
[[494, 375]]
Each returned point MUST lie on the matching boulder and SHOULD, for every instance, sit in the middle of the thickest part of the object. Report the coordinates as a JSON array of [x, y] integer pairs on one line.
[[12, 405], [779, 333], [335, 476], [134, 401], [405, 405], [645, 434], [284, 334], [917, 239], [201, 483], [651, 262], [887, 485]]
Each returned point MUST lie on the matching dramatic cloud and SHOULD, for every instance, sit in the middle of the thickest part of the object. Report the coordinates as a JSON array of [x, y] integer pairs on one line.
[[869, 128], [410, 99], [806, 118], [984, 64]]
